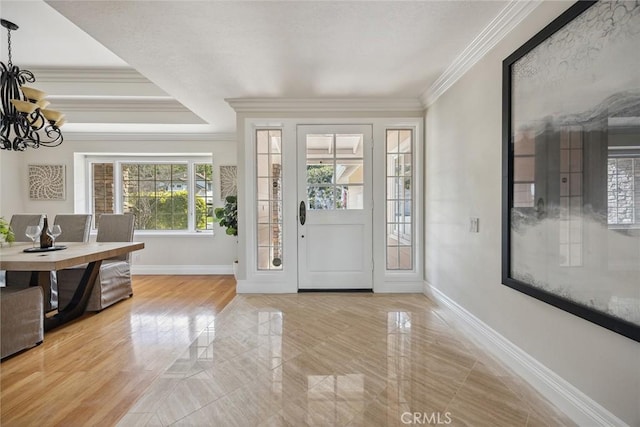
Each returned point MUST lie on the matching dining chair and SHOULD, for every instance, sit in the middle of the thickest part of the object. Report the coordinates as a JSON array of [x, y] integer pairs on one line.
[[22, 279], [113, 283], [75, 227], [20, 222]]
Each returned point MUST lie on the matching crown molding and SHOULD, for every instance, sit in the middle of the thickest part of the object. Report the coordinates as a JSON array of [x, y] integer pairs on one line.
[[88, 75], [150, 136], [280, 105], [119, 104], [507, 20]]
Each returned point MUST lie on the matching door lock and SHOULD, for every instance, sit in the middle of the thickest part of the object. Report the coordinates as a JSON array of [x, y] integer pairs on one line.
[[303, 213]]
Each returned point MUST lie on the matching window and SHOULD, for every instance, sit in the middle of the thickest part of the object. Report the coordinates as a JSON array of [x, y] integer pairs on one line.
[[623, 191], [269, 198], [399, 196], [335, 171], [164, 193], [524, 167]]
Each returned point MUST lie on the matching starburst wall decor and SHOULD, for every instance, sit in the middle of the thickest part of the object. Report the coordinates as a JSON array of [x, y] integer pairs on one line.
[[228, 181], [46, 182]]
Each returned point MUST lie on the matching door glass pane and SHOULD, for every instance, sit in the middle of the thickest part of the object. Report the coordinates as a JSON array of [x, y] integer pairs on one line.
[[320, 173], [263, 188], [263, 234], [349, 171], [350, 197], [263, 165], [269, 198], [349, 145], [399, 195], [335, 171], [321, 197], [262, 138]]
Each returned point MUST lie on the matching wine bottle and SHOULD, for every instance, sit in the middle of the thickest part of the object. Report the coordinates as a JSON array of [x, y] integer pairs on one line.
[[45, 240]]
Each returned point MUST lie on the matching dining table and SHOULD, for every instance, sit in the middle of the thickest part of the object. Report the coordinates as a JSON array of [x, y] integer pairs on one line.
[[74, 254]]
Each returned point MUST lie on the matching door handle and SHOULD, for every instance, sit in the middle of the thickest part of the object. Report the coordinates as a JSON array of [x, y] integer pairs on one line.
[[303, 213]]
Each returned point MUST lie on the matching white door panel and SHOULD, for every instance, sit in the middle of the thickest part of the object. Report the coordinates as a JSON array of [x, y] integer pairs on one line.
[[334, 182], [340, 246]]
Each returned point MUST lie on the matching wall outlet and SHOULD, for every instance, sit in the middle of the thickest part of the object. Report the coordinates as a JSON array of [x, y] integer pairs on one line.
[[474, 225], [136, 257]]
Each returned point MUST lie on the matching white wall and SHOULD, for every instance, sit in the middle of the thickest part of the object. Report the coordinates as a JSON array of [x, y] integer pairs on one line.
[[183, 254], [463, 179], [12, 183]]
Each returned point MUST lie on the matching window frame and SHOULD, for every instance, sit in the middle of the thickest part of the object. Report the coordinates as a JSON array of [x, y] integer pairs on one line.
[[635, 158], [402, 237], [118, 160]]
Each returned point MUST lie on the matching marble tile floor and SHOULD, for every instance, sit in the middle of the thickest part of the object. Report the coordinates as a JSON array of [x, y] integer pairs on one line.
[[337, 360]]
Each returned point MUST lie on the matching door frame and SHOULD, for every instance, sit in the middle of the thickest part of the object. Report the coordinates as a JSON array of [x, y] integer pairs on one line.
[[251, 280]]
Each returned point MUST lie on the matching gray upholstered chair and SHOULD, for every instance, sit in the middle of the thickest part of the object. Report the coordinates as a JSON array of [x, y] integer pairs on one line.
[[21, 319], [20, 222], [114, 279], [75, 227]]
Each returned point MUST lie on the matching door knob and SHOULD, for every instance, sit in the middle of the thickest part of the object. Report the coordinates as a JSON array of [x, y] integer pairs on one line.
[[303, 213]]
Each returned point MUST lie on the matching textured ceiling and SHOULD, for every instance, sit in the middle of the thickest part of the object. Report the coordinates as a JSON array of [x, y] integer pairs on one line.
[[201, 52]]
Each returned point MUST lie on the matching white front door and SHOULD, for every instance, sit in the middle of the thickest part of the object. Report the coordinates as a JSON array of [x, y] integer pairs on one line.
[[335, 207]]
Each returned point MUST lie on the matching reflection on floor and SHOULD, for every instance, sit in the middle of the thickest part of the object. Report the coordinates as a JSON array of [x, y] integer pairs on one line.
[[337, 359]]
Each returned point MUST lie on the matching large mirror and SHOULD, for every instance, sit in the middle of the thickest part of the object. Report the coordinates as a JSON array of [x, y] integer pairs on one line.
[[571, 195]]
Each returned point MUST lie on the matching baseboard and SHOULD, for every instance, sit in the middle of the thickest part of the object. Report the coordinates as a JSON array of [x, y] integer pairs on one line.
[[280, 287], [573, 402], [181, 269]]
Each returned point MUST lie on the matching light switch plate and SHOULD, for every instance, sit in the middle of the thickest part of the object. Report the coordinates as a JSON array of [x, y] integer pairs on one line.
[[474, 225]]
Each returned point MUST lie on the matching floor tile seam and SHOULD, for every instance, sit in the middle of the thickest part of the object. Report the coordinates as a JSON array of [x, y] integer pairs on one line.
[[455, 393], [140, 397], [174, 360], [506, 405], [510, 374], [195, 410]]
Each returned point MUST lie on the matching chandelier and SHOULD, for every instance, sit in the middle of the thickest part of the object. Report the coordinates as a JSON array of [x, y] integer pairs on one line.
[[25, 121]]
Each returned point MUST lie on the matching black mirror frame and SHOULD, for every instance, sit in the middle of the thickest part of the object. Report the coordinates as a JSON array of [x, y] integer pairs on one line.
[[628, 329]]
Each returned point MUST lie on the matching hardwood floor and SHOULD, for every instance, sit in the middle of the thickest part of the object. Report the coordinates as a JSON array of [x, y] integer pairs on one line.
[[91, 371]]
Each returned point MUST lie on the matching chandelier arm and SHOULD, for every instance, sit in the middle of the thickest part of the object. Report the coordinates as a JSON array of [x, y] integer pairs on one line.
[[55, 136]]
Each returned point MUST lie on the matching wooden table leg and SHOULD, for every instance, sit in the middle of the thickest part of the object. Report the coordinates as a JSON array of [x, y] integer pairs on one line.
[[43, 279], [80, 299]]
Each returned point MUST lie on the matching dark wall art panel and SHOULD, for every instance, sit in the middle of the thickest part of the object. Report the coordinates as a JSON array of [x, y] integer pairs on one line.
[[571, 165]]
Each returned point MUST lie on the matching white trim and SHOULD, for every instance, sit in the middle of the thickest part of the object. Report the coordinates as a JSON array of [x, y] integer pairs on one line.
[[298, 105], [573, 402], [77, 75], [121, 104], [149, 136], [507, 20], [181, 269]]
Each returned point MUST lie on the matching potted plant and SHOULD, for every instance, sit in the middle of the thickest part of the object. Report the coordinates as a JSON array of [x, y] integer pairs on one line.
[[6, 233], [227, 216]]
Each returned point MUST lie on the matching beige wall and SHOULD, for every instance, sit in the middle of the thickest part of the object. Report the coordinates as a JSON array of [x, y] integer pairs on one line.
[[177, 254], [463, 179]]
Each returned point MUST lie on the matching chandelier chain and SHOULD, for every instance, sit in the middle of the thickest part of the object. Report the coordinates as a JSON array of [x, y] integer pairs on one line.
[[9, 45]]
